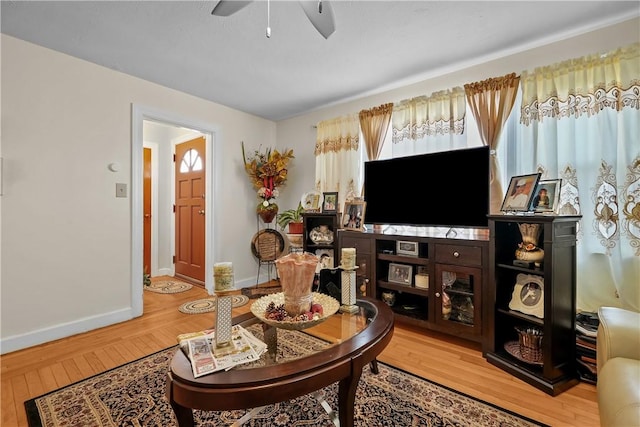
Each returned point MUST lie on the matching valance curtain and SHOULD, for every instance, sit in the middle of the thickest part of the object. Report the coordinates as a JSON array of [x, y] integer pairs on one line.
[[427, 124], [491, 102], [374, 124], [580, 122], [338, 157]]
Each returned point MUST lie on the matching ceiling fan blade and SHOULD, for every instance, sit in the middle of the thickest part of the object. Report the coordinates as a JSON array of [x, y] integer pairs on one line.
[[228, 7], [324, 22]]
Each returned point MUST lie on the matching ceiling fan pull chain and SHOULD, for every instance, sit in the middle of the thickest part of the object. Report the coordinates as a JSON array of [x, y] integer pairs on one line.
[[319, 6], [268, 18]]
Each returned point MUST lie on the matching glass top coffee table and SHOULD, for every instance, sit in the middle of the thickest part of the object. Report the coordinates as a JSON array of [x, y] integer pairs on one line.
[[349, 342]]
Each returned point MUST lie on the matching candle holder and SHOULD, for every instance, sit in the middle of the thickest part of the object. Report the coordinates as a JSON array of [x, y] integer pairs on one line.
[[223, 323], [348, 280], [224, 285], [348, 285]]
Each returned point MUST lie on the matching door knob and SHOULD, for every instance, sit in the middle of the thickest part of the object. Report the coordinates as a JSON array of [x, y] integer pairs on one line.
[[201, 212], [147, 215], [438, 294]]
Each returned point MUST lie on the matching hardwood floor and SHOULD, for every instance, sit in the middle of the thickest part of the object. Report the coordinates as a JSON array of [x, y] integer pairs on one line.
[[451, 362]]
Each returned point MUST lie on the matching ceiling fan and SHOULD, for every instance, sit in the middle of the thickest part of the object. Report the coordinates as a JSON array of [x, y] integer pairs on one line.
[[319, 13]]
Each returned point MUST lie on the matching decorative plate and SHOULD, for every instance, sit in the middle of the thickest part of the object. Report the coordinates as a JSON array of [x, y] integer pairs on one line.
[[312, 200], [329, 307], [267, 244], [528, 295]]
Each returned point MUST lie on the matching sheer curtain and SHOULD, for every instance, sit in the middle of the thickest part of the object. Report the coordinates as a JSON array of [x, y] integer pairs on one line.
[[427, 124], [338, 157], [374, 124], [491, 102], [580, 121]]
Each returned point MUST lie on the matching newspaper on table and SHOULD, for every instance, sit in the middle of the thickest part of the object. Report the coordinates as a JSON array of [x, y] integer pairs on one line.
[[205, 359]]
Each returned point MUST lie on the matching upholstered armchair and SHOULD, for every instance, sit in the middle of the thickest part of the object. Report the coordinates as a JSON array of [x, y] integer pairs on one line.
[[618, 359]]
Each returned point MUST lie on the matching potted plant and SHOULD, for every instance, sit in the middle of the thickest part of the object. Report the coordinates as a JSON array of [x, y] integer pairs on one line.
[[291, 218]]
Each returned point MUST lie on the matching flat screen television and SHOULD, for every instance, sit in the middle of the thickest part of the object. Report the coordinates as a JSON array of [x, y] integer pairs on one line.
[[444, 189]]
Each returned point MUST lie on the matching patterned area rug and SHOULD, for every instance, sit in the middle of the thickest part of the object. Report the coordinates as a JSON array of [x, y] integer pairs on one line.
[[168, 286], [206, 305], [134, 395]]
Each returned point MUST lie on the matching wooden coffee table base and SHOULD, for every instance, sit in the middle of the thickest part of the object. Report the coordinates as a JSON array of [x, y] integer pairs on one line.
[[346, 399], [257, 387]]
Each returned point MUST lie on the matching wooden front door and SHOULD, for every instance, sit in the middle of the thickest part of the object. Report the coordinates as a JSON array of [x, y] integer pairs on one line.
[[189, 209], [146, 210]]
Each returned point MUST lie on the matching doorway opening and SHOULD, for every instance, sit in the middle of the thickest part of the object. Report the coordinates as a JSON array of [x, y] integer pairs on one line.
[[153, 249]]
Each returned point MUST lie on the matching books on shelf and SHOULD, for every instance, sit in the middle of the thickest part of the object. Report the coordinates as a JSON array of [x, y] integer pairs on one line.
[[586, 346], [587, 324], [587, 371], [586, 330], [200, 348]]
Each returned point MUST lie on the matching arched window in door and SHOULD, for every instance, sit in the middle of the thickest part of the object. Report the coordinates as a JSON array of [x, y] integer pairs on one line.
[[191, 161]]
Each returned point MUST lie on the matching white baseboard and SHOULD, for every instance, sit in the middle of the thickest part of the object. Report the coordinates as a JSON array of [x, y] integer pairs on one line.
[[246, 283], [165, 272], [251, 282], [64, 330]]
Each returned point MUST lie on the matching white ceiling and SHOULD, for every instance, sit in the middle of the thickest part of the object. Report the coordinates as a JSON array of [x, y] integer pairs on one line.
[[377, 45]]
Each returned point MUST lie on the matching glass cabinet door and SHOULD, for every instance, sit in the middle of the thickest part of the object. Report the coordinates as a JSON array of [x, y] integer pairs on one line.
[[362, 275], [458, 297]]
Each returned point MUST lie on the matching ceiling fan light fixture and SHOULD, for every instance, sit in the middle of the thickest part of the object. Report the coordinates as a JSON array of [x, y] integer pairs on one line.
[[268, 32], [320, 14]]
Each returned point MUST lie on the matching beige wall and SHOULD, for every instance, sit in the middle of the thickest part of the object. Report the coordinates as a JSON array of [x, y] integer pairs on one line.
[[66, 239]]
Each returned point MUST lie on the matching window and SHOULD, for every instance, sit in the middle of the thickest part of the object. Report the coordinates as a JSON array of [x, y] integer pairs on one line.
[[191, 162]]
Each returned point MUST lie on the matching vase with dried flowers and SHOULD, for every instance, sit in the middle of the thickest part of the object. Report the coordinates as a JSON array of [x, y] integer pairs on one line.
[[267, 171]]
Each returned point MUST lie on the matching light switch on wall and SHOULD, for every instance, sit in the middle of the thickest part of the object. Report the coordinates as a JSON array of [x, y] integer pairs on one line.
[[121, 190]]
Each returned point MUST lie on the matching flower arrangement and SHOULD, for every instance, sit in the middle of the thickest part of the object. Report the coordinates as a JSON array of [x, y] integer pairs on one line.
[[267, 171]]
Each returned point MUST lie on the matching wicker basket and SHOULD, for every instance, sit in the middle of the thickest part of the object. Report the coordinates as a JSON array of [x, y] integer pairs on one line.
[[530, 341]]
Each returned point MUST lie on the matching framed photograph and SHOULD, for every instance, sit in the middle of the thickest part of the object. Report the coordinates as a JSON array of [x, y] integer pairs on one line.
[[353, 215], [546, 196], [330, 203], [405, 247], [400, 273], [325, 259], [519, 194]]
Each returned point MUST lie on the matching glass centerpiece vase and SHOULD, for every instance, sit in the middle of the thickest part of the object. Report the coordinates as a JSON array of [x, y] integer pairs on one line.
[[296, 272]]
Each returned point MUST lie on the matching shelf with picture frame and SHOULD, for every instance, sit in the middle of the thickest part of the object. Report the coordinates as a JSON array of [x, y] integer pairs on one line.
[[427, 257], [537, 297]]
